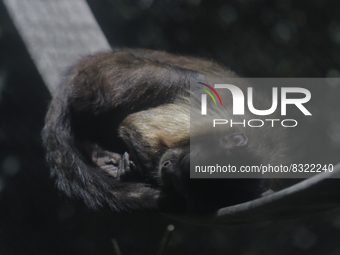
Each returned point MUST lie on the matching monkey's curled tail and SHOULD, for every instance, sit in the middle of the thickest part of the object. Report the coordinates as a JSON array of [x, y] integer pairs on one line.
[[77, 177]]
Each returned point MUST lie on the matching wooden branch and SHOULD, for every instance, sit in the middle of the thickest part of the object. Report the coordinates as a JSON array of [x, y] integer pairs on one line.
[[56, 34], [316, 194]]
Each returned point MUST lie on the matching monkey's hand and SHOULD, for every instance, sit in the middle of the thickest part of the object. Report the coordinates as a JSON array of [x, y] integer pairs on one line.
[[116, 165]]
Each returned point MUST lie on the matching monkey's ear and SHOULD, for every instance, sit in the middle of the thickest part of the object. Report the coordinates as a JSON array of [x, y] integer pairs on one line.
[[234, 140]]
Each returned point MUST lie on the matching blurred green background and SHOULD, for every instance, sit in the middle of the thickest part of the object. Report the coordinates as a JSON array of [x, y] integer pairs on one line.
[[279, 38]]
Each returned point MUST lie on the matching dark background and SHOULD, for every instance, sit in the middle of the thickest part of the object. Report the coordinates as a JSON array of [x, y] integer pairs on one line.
[[254, 38]]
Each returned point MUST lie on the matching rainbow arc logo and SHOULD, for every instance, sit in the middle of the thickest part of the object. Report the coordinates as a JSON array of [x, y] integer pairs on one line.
[[209, 93]]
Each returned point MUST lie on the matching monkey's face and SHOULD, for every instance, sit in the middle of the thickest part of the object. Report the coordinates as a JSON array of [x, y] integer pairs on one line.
[[174, 168], [174, 171]]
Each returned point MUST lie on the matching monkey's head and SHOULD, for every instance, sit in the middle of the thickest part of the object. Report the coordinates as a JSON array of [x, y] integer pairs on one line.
[[209, 194]]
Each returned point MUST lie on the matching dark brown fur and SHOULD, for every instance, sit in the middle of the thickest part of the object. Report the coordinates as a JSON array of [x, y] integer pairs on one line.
[[98, 115]]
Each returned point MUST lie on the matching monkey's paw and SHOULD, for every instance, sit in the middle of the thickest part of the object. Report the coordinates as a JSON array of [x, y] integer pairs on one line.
[[114, 164]]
